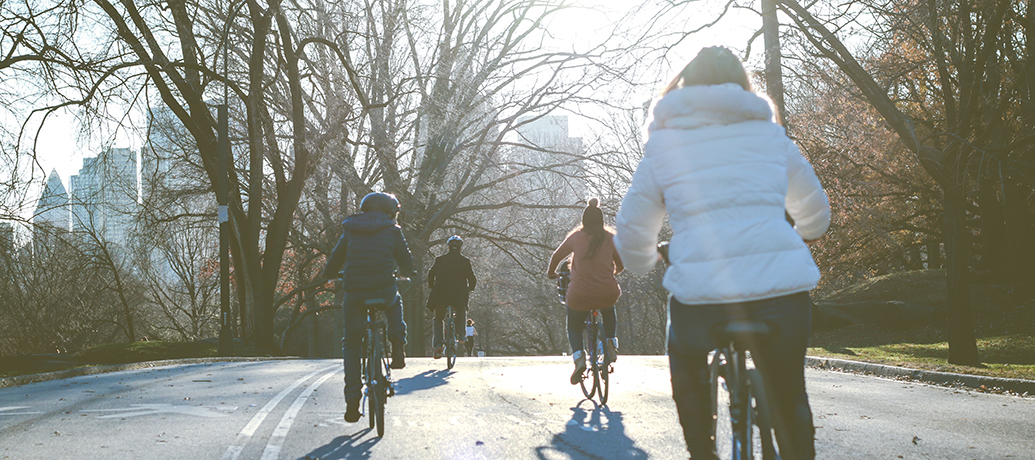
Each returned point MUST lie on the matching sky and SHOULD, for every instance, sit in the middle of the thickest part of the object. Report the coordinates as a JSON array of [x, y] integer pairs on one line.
[[60, 146]]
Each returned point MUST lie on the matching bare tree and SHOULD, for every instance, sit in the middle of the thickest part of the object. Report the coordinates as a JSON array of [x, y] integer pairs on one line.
[[950, 103]]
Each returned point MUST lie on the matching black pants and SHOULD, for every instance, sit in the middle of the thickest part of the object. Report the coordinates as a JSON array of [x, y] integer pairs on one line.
[[459, 323], [470, 345], [782, 364]]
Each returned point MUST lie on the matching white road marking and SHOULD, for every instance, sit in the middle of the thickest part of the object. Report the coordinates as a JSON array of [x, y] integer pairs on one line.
[[272, 451], [11, 408], [246, 433], [135, 410]]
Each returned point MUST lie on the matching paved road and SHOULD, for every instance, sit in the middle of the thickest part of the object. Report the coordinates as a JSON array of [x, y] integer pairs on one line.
[[485, 408]]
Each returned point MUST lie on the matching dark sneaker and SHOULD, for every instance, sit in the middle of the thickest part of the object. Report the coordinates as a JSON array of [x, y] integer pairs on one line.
[[398, 356], [439, 351], [352, 411], [580, 367], [611, 350]]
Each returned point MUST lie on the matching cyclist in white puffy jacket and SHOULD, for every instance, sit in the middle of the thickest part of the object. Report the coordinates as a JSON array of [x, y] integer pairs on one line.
[[720, 165]]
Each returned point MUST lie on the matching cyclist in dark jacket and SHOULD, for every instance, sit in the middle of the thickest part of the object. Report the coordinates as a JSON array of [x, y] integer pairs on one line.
[[450, 279], [370, 248]]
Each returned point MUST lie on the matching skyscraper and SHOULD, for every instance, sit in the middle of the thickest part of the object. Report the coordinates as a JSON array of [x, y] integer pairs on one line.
[[52, 207], [105, 195], [6, 237]]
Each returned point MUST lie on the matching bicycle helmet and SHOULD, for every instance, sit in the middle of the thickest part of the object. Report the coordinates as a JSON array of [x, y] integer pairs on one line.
[[455, 242], [377, 201]]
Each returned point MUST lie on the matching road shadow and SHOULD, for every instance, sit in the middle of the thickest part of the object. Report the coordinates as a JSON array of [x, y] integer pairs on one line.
[[599, 433], [424, 381], [351, 446]]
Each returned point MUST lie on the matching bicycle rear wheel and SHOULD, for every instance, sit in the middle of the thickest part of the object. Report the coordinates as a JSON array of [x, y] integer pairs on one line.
[[450, 338], [377, 386], [590, 379], [604, 382], [762, 415], [714, 373], [370, 375]]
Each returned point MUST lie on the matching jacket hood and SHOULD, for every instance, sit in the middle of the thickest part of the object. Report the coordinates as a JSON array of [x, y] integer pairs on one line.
[[367, 222], [697, 106]]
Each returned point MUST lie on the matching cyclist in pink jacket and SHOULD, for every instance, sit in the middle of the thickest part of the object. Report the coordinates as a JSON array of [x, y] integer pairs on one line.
[[593, 286], [720, 165]]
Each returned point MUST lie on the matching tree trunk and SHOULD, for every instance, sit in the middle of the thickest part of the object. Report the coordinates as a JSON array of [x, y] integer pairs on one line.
[[994, 241], [962, 344], [1019, 236], [773, 63]]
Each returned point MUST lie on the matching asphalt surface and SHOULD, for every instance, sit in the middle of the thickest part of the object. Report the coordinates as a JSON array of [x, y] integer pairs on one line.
[[483, 408]]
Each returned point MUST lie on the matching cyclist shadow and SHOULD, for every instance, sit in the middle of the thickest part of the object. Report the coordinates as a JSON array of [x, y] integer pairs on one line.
[[424, 381], [351, 446], [599, 433]]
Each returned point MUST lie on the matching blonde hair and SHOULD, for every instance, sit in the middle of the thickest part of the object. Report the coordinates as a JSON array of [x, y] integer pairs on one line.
[[714, 65]]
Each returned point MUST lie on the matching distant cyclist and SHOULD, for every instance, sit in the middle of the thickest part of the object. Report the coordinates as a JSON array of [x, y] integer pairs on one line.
[[720, 165], [595, 262], [471, 332], [451, 280], [370, 248]]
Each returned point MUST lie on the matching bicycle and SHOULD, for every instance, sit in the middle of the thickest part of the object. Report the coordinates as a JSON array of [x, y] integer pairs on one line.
[[377, 375], [747, 396], [597, 369]]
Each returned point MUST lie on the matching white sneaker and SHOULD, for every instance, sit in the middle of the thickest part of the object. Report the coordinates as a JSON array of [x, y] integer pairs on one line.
[[580, 367]]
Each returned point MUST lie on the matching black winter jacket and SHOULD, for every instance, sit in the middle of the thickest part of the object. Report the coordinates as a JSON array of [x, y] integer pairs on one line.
[[370, 248], [450, 279]]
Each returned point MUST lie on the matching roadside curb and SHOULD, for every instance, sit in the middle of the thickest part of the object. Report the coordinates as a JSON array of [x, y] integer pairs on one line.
[[79, 371], [979, 382]]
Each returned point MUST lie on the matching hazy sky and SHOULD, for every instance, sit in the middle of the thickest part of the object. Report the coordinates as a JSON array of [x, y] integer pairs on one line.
[[61, 147]]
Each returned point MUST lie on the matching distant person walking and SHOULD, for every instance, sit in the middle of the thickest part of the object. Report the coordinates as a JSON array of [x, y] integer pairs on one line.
[[471, 332], [451, 280], [594, 264]]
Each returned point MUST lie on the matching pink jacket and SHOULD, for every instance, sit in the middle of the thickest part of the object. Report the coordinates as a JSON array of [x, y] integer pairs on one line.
[[593, 285]]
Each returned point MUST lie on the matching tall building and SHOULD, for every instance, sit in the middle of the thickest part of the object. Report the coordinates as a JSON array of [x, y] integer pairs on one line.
[[549, 131], [548, 143], [105, 195], [6, 237], [52, 207]]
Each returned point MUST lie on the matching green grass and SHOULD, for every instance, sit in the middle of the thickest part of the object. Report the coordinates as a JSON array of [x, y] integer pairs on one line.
[[1003, 322], [1010, 356]]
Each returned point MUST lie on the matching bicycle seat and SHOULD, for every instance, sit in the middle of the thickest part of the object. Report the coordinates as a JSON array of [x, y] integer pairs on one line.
[[747, 332]]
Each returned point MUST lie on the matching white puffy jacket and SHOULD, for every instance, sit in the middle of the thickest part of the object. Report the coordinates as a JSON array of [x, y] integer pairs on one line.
[[725, 173]]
